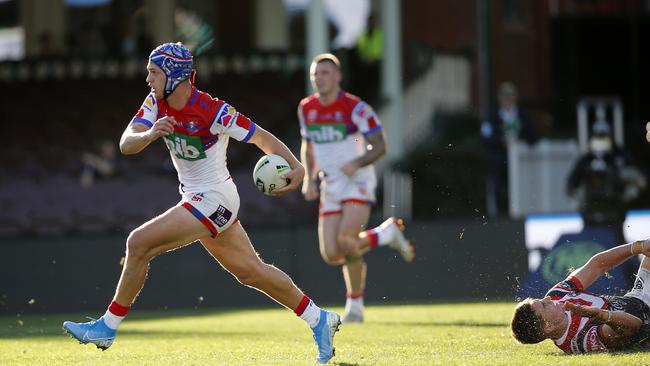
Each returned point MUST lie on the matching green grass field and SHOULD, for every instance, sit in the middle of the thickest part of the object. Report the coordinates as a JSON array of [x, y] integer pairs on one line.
[[438, 334]]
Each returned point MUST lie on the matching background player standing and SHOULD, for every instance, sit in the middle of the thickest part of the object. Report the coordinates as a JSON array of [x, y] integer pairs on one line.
[[335, 127], [196, 129]]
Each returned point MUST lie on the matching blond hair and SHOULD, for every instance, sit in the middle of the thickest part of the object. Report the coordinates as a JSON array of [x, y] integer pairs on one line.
[[324, 57]]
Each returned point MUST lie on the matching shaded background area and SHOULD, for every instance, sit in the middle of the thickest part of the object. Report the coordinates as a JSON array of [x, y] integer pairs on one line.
[[79, 78], [456, 260], [39, 182]]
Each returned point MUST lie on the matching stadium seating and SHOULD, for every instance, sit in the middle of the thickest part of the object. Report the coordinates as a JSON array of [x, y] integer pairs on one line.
[[50, 123]]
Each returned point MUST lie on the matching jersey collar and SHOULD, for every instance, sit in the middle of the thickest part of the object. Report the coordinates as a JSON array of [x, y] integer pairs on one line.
[[561, 340], [193, 96]]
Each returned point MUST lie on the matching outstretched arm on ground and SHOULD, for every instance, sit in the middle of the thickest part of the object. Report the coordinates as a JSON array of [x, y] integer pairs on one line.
[[608, 259]]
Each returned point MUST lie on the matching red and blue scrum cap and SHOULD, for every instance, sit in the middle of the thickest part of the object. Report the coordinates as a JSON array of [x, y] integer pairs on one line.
[[175, 60]]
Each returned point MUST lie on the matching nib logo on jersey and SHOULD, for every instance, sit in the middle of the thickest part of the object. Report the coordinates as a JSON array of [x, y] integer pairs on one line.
[[185, 147], [324, 133]]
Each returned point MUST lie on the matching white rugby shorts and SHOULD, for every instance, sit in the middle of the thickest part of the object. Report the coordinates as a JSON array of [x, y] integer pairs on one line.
[[216, 208], [334, 194]]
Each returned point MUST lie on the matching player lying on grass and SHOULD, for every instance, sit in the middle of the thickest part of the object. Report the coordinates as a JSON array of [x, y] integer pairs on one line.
[[581, 322], [196, 129]]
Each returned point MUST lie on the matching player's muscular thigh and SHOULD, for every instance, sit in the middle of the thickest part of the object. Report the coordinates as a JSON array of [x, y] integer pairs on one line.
[[328, 228], [168, 231], [353, 220]]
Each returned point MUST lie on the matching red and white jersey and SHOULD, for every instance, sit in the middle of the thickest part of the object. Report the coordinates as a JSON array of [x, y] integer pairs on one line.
[[337, 131], [200, 138], [583, 335]]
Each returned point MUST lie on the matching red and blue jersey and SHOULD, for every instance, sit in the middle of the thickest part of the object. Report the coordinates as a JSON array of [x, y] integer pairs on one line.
[[200, 139], [583, 335], [337, 131]]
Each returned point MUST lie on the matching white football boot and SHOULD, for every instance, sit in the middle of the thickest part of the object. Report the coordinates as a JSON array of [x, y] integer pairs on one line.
[[393, 228]]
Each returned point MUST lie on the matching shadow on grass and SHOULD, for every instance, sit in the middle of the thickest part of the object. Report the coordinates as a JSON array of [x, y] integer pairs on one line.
[[52, 331], [139, 314], [612, 354], [632, 350], [619, 353], [444, 324], [35, 325]]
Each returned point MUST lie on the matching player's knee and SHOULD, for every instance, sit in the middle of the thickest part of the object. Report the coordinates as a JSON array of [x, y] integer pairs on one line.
[[343, 238], [332, 259], [348, 244], [136, 245], [353, 257]]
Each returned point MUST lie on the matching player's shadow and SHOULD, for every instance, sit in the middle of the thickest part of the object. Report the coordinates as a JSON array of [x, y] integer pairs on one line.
[[165, 333], [446, 324], [37, 332], [611, 353]]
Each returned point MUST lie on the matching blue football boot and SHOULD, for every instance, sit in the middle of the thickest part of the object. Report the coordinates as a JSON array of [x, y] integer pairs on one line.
[[324, 334], [95, 332]]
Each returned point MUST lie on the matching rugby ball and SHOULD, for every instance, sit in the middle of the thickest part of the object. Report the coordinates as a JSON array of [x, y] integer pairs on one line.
[[267, 172]]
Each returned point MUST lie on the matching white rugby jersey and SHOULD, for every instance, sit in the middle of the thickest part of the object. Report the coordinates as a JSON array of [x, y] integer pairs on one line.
[[583, 335], [337, 131], [200, 138]]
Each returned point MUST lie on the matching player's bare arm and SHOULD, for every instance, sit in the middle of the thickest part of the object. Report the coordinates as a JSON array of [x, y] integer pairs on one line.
[[270, 144], [604, 261], [618, 327], [138, 136], [375, 150], [309, 187]]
